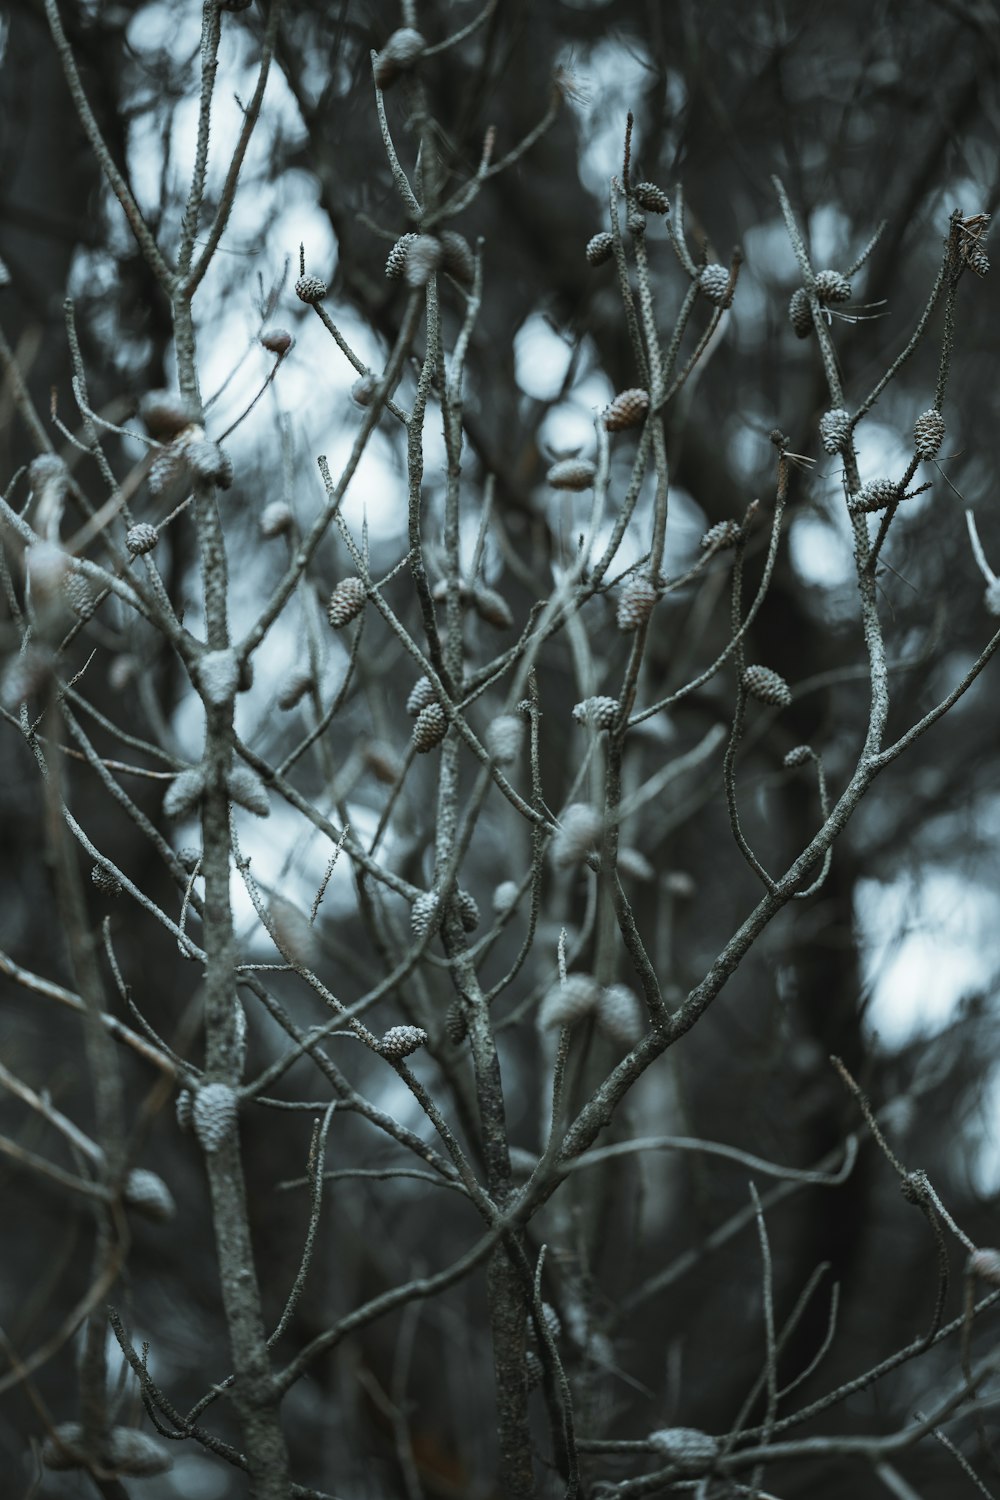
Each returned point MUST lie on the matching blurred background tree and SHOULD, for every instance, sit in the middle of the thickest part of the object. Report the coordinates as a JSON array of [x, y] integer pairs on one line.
[[867, 114]]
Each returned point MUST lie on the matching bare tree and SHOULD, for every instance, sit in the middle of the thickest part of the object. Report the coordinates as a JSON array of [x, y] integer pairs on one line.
[[549, 932]]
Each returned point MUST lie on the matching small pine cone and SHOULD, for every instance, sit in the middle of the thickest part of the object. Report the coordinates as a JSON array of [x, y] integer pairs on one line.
[[875, 495], [504, 897], [800, 314], [713, 281], [991, 598], [635, 603], [277, 341], [800, 756], [421, 695], [600, 248], [492, 607], [430, 728], [399, 1041], [597, 713], [985, 1264], [213, 1115], [363, 390], [422, 260], [184, 794], [396, 260], [247, 790], [634, 865], [183, 1109], [567, 1003], [928, 434], [690, 1450], [767, 686], [310, 289], [346, 602], [456, 1025], [136, 1453], [831, 286], [208, 461], [722, 534], [423, 912], [149, 1195], [579, 829], [383, 762], [572, 474], [141, 539], [400, 52], [456, 257], [651, 198], [627, 409], [165, 468], [106, 880], [468, 910], [620, 1014], [276, 520], [505, 738], [834, 429], [79, 595], [164, 414], [978, 261]]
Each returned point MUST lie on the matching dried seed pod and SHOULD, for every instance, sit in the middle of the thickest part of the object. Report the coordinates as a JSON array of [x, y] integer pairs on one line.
[[399, 1041], [634, 865], [690, 1450], [504, 897], [294, 934], [208, 461], [505, 738], [800, 314], [61, 1450], [722, 534], [600, 712], [832, 287], [566, 1003], [800, 756], [363, 390], [600, 248], [346, 602], [875, 495], [422, 260], [298, 683], [247, 790], [620, 1014], [396, 260], [404, 48], [467, 909], [651, 198], [276, 520], [423, 913], [184, 793], [635, 603], [149, 1195], [713, 282], [183, 1106], [985, 1264], [141, 538], [165, 468], [310, 289], [106, 880], [166, 413], [421, 695], [456, 1025], [767, 686], [627, 409], [492, 607], [928, 434], [572, 474], [122, 672], [218, 676], [213, 1115], [277, 341], [580, 828], [457, 258], [383, 762], [834, 429], [430, 728]]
